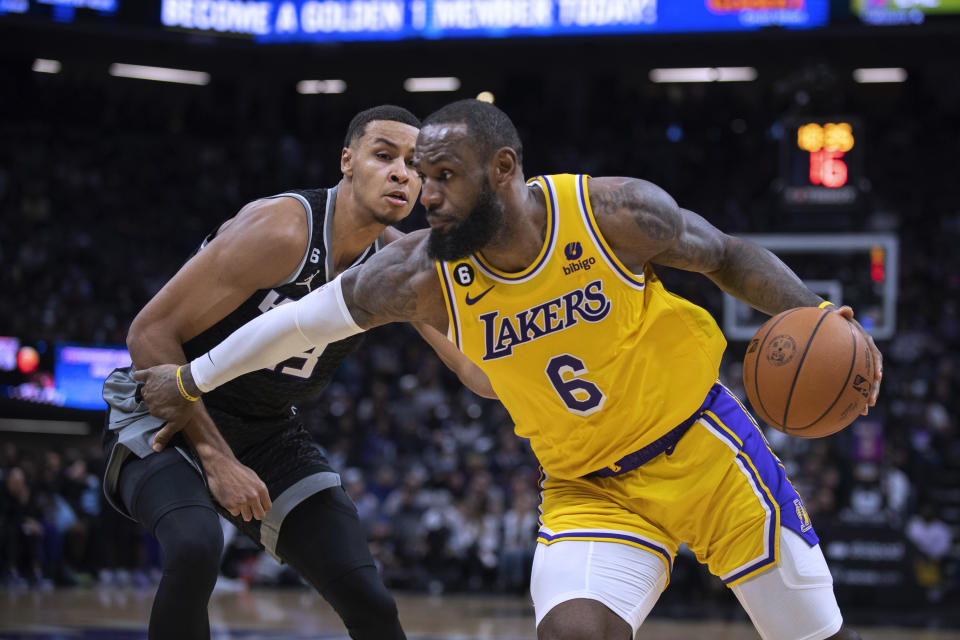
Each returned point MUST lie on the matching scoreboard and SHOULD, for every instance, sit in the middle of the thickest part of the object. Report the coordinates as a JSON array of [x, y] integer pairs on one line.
[[821, 162]]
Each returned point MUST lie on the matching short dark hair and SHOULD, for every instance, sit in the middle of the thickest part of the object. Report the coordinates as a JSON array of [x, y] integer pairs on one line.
[[489, 127], [358, 126]]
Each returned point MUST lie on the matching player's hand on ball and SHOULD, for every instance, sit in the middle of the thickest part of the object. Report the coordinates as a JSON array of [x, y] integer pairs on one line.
[[810, 371], [237, 488], [163, 398], [847, 313]]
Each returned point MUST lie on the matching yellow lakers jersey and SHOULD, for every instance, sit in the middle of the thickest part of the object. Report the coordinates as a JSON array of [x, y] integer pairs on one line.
[[592, 361]]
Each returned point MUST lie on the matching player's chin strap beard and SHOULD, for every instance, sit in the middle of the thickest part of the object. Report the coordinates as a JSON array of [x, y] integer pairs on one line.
[[471, 234]]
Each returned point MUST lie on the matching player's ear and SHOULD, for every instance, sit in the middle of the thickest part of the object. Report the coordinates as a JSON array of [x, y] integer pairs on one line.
[[505, 165], [346, 162]]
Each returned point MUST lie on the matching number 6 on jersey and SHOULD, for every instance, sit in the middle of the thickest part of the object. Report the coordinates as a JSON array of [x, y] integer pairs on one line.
[[580, 396]]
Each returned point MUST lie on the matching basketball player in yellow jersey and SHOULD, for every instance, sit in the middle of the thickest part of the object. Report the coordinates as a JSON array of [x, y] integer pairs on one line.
[[548, 287]]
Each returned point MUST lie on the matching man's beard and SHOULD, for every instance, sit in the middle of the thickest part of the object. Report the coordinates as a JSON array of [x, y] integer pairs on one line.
[[471, 234]]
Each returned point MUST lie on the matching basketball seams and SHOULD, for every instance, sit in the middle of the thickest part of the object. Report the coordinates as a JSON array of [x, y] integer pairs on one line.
[[793, 367], [796, 373], [843, 387], [756, 365]]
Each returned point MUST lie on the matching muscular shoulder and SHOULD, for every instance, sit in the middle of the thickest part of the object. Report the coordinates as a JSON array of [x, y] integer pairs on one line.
[[275, 221], [267, 237], [637, 218], [404, 262]]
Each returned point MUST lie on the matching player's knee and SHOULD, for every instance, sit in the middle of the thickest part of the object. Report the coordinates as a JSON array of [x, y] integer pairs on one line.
[[194, 549], [582, 620], [376, 601], [845, 634], [578, 629], [364, 604], [200, 557], [550, 631]]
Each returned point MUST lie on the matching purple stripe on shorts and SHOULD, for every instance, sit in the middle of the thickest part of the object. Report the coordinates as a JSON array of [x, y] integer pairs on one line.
[[772, 533], [606, 535], [731, 415]]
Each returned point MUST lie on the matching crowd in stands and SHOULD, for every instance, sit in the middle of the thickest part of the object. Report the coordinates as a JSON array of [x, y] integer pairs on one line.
[[103, 200]]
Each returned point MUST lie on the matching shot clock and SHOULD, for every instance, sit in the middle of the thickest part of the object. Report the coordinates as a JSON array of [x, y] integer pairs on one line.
[[827, 143], [821, 162]]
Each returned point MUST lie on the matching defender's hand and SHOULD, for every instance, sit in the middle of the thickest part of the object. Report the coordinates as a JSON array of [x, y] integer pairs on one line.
[[847, 313], [164, 400], [237, 488]]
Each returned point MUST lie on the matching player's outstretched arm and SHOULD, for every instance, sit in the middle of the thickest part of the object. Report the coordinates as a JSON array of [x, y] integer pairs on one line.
[[642, 223], [470, 374], [394, 286]]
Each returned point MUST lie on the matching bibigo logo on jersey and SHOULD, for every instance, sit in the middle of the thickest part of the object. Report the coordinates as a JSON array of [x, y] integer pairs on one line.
[[572, 252]]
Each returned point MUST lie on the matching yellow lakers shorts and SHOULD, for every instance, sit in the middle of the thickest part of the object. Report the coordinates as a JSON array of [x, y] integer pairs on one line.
[[721, 490]]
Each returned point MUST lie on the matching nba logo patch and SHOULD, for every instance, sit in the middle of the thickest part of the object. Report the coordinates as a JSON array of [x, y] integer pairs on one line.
[[805, 524]]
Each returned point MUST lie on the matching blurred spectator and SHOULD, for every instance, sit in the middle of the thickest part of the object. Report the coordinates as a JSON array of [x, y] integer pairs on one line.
[[932, 537], [520, 526], [22, 532], [934, 540], [367, 504]]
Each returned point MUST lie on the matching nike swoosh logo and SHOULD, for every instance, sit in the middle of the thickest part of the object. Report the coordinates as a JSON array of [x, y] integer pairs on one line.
[[470, 300]]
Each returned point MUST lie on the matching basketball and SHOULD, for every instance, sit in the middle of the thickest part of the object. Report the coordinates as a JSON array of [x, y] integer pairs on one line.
[[808, 372]]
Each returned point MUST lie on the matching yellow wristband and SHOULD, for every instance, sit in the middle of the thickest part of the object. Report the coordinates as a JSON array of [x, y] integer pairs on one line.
[[824, 304], [183, 390]]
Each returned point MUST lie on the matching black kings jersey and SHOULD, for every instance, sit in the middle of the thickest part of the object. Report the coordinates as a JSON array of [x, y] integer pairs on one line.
[[270, 393]]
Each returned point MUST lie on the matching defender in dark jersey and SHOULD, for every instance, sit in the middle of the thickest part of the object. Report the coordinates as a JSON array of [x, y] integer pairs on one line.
[[262, 469]]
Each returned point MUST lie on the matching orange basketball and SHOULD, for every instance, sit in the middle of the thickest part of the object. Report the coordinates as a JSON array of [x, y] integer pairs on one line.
[[808, 372]]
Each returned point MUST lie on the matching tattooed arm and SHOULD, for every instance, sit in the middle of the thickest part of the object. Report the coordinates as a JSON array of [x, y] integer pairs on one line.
[[642, 223], [398, 284]]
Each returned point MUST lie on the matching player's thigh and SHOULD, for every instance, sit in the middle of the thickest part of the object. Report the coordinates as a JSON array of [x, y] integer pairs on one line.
[[794, 600], [626, 579], [322, 538], [294, 469], [162, 482]]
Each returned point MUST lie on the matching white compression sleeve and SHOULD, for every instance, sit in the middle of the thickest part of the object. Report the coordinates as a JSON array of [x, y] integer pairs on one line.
[[315, 320]]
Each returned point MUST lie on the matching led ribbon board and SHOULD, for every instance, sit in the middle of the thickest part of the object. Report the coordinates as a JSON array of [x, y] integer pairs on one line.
[[344, 20]]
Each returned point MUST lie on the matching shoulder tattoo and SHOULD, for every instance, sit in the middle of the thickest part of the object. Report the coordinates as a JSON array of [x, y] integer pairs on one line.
[[390, 294], [644, 207]]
